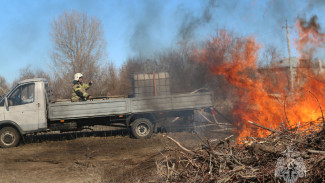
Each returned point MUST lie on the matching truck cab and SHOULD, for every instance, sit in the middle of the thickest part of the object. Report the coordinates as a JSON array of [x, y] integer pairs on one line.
[[22, 111]]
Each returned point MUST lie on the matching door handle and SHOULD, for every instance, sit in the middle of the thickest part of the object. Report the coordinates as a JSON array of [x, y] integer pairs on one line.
[[39, 105]]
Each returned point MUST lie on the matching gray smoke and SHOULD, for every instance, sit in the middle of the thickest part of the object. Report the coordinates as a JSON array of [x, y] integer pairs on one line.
[[316, 4], [147, 26], [191, 23], [278, 12]]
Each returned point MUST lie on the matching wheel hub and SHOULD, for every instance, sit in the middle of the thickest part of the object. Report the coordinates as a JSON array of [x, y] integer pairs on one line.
[[8, 138], [142, 129]]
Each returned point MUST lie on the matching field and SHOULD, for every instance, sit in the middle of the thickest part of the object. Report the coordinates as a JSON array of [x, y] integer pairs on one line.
[[107, 156]]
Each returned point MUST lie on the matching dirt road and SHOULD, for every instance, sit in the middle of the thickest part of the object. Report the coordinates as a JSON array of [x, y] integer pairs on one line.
[[88, 157], [108, 155]]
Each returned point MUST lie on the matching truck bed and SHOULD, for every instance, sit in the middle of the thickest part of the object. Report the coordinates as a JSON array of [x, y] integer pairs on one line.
[[102, 108]]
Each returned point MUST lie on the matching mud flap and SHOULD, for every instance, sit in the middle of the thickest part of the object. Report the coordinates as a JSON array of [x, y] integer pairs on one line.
[[155, 128]]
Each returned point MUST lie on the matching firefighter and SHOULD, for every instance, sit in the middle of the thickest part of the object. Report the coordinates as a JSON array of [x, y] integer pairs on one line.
[[79, 89]]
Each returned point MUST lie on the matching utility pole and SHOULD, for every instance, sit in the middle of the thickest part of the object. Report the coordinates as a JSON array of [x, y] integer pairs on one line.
[[290, 61]]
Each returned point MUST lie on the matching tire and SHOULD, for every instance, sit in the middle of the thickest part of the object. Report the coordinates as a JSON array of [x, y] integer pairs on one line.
[[142, 128], [9, 137]]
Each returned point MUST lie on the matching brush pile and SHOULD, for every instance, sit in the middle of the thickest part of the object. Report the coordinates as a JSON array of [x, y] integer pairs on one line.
[[285, 155]]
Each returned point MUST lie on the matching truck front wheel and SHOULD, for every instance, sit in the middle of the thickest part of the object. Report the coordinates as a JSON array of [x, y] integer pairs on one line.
[[9, 137], [142, 128]]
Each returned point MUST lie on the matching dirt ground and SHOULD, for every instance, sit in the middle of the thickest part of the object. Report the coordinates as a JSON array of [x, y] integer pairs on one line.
[[110, 156]]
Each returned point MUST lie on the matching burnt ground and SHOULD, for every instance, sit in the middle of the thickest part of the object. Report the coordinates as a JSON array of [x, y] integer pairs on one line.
[[109, 156]]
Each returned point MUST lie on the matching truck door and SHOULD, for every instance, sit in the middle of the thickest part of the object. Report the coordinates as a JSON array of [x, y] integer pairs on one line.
[[41, 98], [23, 108]]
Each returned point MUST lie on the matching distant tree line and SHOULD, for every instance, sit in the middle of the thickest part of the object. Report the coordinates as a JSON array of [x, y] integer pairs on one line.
[[79, 46]]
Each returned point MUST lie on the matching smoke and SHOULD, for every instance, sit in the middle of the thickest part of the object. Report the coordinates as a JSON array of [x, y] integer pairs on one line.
[[310, 37], [277, 12], [191, 23], [146, 28], [309, 25], [23, 31], [316, 4], [145, 37]]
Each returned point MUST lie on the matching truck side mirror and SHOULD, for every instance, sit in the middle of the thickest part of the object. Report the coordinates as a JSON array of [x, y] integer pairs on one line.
[[6, 103]]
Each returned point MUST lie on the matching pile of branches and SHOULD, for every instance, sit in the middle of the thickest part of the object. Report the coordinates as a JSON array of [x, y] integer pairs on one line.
[[252, 159]]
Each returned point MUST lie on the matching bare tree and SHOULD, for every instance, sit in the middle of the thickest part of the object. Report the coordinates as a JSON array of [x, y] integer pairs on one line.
[[4, 88], [270, 55], [78, 47], [186, 74], [108, 83], [29, 73], [127, 71]]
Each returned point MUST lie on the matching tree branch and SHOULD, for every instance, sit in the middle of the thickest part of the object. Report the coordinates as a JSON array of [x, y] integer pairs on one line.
[[269, 129]]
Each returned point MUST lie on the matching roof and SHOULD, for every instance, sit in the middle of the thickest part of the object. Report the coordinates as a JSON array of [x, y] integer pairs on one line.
[[33, 80], [296, 62], [285, 62]]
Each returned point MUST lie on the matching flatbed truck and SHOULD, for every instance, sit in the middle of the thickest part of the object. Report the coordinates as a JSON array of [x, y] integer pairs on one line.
[[28, 109]]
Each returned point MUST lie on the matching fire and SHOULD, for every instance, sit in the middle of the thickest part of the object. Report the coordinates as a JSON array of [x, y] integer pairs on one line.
[[297, 109], [308, 34]]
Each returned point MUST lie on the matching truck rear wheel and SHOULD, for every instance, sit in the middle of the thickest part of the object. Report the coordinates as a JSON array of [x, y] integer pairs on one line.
[[9, 137], [142, 128]]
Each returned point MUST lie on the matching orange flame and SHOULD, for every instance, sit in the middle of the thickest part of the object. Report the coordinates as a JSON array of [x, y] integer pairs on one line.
[[254, 86]]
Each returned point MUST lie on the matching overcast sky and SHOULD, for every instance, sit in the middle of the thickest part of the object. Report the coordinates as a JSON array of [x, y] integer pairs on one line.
[[134, 27]]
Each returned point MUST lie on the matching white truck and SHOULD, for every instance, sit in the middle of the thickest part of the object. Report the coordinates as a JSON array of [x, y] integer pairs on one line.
[[27, 109]]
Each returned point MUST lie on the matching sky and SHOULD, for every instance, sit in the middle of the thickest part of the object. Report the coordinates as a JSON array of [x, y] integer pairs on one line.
[[133, 27]]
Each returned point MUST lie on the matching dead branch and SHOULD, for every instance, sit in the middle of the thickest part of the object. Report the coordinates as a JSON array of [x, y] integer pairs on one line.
[[284, 106], [315, 126], [224, 117], [222, 130], [228, 138], [315, 151], [206, 118], [175, 119], [215, 119], [218, 153], [275, 131], [179, 145], [252, 161], [320, 107]]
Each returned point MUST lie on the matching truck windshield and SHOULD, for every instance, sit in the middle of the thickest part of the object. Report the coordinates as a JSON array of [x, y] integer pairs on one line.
[[24, 94], [2, 101]]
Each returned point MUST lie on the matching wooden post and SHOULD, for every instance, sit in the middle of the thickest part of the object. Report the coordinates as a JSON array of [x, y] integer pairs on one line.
[[320, 66], [290, 61]]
